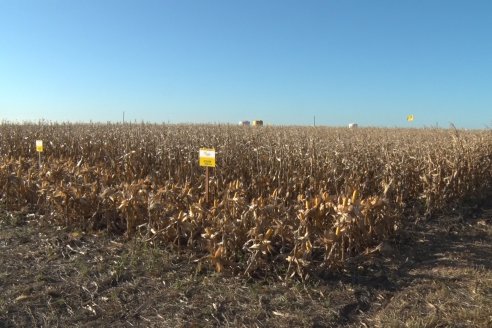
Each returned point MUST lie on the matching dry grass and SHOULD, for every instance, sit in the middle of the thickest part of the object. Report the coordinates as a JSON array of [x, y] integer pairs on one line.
[[309, 227], [448, 282], [448, 297], [436, 274]]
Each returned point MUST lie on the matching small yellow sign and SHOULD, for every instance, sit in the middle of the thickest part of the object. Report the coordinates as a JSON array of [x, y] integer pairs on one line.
[[39, 146], [410, 118], [207, 157]]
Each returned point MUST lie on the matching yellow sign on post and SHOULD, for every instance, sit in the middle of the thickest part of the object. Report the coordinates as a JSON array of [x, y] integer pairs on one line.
[[207, 157], [410, 118], [39, 146]]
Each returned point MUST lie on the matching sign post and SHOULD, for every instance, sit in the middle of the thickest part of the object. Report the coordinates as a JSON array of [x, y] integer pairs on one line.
[[39, 149], [207, 159]]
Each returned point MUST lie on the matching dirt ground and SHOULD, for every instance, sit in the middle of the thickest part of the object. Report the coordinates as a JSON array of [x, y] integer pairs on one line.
[[436, 273]]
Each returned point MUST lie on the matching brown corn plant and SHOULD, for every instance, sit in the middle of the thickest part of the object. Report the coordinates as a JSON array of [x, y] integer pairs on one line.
[[286, 200]]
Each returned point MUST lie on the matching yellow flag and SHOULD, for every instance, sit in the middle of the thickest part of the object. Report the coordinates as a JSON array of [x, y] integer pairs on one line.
[[410, 118], [207, 157], [39, 145]]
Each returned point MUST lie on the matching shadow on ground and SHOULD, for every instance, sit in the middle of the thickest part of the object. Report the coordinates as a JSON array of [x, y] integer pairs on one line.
[[430, 269], [437, 273]]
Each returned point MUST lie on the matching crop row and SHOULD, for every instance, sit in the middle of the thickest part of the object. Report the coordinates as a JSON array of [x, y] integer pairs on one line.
[[286, 199]]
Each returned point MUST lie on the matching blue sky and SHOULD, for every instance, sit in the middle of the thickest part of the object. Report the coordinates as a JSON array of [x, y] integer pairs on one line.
[[371, 62]]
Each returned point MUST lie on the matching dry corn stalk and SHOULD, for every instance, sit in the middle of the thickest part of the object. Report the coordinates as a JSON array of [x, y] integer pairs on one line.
[[296, 198]]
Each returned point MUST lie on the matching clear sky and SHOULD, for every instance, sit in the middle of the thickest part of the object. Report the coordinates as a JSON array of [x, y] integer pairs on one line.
[[370, 62]]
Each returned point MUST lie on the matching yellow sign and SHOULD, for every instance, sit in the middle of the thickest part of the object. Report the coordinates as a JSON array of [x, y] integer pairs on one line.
[[207, 157], [39, 145], [410, 118]]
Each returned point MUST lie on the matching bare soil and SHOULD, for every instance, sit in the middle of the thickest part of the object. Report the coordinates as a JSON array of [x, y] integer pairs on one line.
[[436, 273]]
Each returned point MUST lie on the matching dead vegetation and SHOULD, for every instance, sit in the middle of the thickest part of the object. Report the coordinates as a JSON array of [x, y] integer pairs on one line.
[[287, 201], [308, 227], [435, 274]]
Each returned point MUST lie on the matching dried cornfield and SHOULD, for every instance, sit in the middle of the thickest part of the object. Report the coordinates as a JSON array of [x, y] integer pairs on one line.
[[288, 200]]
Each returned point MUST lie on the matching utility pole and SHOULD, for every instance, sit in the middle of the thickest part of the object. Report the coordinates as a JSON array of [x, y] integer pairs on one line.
[[123, 117], [314, 120]]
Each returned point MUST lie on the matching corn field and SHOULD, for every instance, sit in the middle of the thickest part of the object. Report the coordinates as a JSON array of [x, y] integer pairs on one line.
[[289, 200]]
